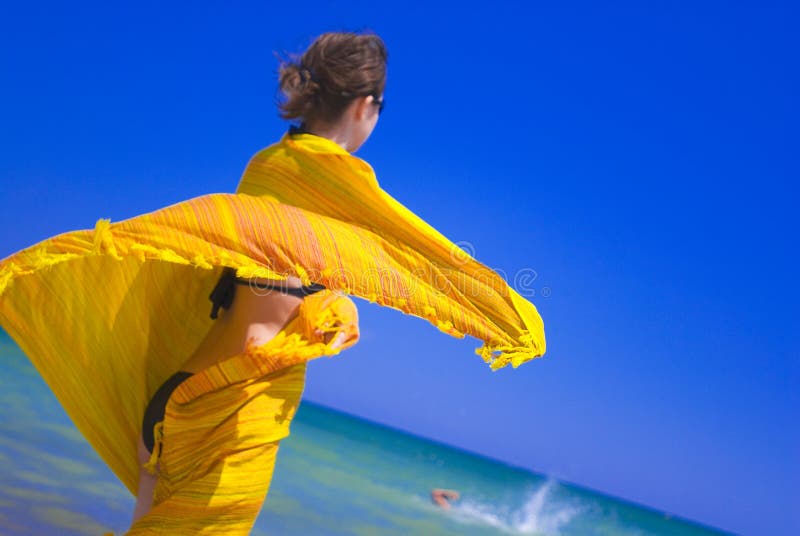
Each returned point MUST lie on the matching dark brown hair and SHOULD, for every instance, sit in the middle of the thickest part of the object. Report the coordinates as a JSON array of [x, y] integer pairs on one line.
[[336, 68]]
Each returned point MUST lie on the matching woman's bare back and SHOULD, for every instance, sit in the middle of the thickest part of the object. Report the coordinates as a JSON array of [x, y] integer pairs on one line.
[[254, 314]]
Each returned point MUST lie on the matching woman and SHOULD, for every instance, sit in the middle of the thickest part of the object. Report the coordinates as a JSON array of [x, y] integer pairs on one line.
[[188, 409], [335, 90]]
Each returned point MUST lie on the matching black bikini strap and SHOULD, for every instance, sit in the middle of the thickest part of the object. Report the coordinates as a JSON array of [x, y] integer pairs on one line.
[[222, 295], [300, 292], [225, 290]]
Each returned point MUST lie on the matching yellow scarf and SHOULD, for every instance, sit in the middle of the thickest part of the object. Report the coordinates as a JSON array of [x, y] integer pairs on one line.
[[108, 314]]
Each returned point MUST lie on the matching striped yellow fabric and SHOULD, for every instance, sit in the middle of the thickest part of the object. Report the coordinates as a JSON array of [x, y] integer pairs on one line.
[[398, 260], [215, 449], [220, 436], [107, 314]]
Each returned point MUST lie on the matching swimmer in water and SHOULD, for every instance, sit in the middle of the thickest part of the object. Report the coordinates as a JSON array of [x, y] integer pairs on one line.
[[442, 496]]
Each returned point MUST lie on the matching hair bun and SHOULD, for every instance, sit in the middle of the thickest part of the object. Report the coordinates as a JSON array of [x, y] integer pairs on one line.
[[338, 66], [307, 73]]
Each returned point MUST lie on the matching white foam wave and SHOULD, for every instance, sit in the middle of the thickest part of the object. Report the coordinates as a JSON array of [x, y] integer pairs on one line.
[[539, 514]]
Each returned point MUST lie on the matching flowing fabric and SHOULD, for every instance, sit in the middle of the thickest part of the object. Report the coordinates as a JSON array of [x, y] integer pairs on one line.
[[107, 314], [222, 427]]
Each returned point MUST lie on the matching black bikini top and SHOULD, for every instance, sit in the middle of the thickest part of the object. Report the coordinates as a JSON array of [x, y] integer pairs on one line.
[[224, 291]]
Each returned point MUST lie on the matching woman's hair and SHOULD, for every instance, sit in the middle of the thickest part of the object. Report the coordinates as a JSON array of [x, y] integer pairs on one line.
[[335, 69]]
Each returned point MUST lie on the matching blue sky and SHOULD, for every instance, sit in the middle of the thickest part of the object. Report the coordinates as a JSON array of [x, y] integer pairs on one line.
[[638, 157]]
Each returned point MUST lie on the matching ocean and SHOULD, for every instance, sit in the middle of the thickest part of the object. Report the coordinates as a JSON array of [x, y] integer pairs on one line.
[[336, 474]]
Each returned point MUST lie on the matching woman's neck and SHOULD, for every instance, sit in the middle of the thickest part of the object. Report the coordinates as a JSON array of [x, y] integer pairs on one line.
[[340, 134]]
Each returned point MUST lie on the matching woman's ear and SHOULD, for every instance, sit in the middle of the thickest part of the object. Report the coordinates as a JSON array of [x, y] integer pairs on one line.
[[362, 106]]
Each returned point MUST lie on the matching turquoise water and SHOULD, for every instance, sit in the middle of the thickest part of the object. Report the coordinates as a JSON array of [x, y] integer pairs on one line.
[[336, 474]]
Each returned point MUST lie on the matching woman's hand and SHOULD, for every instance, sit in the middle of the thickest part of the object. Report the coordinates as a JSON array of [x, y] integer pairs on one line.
[[332, 320], [326, 337]]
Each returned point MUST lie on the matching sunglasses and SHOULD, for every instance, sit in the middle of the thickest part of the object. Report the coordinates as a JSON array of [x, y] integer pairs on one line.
[[379, 103]]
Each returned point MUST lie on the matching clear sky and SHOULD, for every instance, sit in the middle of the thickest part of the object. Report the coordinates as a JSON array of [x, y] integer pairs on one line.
[[635, 156]]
